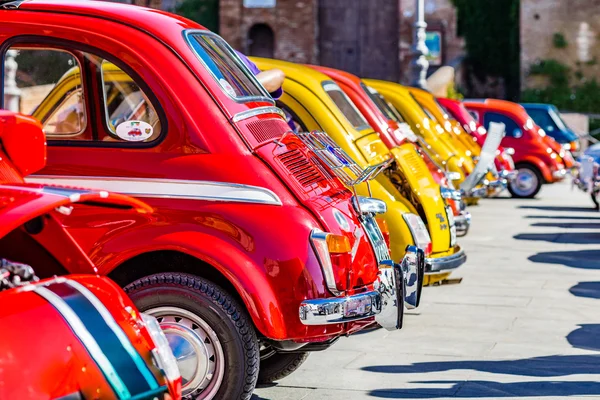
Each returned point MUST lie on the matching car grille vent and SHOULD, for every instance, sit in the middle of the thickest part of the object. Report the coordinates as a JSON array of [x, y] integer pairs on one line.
[[267, 129], [301, 168]]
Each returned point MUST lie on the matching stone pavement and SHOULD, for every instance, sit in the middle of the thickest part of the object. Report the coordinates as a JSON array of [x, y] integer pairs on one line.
[[525, 321]]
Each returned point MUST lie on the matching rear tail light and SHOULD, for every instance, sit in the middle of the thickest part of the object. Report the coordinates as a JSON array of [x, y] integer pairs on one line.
[[419, 232], [385, 230], [333, 253]]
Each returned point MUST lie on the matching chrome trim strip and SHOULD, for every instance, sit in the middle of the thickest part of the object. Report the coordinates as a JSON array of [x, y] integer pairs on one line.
[[112, 324], [167, 188], [257, 111], [86, 339], [439, 264]]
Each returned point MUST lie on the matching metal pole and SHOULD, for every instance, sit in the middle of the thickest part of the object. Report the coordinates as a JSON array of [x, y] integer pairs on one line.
[[419, 63], [12, 94]]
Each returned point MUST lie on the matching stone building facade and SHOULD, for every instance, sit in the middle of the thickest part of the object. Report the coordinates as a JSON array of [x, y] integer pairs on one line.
[[545, 23], [287, 31]]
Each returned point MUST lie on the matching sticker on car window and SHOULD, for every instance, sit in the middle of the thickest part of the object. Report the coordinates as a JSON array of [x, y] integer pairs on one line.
[[134, 131], [227, 87]]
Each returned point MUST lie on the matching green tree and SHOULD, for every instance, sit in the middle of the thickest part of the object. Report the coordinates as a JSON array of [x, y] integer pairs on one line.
[[204, 12], [491, 32]]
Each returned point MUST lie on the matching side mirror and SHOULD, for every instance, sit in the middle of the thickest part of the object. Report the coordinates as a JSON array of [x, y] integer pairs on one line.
[[23, 141], [517, 133]]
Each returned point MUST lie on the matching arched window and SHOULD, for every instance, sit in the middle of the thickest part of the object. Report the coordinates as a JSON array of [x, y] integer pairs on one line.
[[261, 41]]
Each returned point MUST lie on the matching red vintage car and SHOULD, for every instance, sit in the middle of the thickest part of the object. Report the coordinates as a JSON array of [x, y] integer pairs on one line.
[[503, 162], [538, 158], [78, 336], [394, 133], [256, 252]]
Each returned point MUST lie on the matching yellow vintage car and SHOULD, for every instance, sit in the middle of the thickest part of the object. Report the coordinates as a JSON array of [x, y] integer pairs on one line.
[[455, 133], [315, 102], [429, 132], [453, 130]]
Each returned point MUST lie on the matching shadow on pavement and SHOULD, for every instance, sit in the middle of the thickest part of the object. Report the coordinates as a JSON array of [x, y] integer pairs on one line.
[[586, 337], [591, 290], [574, 217], [486, 389], [572, 225], [584, 259], [549, 366], [560, 208], [560, 237]]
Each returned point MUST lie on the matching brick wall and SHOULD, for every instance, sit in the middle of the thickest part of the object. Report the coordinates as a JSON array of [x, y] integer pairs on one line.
[[541, 19], [294, 23]]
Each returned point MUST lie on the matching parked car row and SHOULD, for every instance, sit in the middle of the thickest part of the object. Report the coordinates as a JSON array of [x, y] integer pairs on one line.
[[256, 232]]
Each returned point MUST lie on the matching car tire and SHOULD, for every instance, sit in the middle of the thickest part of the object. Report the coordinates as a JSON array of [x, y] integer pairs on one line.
[[196, 314], [280, 365], [527, 184]]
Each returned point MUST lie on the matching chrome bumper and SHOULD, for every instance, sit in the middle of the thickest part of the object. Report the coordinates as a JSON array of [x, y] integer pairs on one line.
[[397, 286], [560, 174], [444, 264], [463, 223], [509, 175], [477, 192], [499, 184]]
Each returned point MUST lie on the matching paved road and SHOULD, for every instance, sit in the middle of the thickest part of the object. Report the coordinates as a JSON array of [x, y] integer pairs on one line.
[[525, 321]]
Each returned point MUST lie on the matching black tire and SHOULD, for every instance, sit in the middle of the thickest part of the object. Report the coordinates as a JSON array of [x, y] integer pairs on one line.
[[517, 192], [221, 313], [595, 201], [280, 365]]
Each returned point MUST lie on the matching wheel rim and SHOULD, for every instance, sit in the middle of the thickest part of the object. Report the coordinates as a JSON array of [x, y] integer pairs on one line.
[[526, 182], [196, 347]]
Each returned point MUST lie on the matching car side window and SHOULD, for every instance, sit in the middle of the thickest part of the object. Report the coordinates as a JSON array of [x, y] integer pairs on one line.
[[512, 129], [46, 84], [50, 85], [128, 112]]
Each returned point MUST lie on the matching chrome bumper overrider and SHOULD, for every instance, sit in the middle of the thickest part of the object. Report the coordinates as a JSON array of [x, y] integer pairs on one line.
[[560, 174], [443, 264], [463, 223], [398, 285]]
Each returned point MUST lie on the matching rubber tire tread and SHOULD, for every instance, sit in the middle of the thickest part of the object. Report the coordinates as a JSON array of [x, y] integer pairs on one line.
[[224, 304], [280, 365]]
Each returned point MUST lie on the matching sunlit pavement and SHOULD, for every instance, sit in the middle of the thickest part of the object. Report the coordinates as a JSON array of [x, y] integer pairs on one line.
[[525, 321]]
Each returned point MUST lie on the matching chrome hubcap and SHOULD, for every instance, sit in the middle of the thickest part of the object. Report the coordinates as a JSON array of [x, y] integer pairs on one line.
[[526, 182], [197, 349]]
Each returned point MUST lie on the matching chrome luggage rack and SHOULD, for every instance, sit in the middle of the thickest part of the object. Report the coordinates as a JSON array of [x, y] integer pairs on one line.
[[340, 163]]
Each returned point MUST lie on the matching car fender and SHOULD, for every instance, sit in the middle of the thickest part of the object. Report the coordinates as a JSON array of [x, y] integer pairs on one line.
[[249, 280]]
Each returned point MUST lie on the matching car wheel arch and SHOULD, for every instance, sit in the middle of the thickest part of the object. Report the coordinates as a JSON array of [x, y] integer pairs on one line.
[[173, 261]]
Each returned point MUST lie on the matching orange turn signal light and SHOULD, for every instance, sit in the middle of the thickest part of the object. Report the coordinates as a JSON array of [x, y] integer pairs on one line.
[[338, 244], [385, 230], [383, 225]]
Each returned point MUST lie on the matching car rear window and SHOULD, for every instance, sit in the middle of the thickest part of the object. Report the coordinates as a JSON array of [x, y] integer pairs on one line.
[[234, 78], [346, 106], [384, 107]]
